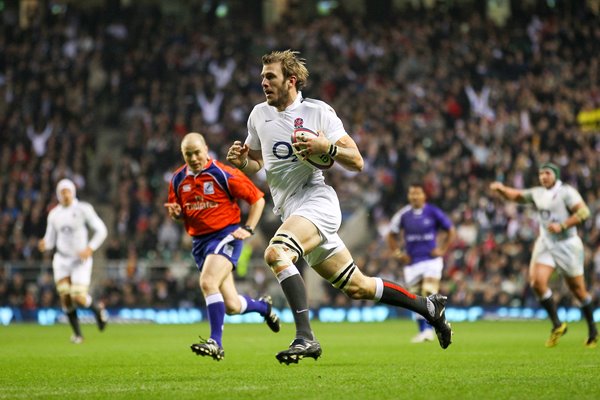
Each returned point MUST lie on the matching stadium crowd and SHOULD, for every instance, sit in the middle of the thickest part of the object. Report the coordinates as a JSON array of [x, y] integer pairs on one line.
[[448, 98]]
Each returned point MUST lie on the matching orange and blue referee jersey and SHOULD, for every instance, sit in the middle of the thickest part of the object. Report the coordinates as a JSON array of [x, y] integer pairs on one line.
[[208, 198]]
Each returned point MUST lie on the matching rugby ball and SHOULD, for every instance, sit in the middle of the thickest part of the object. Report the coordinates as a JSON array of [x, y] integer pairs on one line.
[[320, 161]]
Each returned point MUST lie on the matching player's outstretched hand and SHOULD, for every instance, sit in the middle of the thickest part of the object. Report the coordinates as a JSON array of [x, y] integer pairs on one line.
[[174, 210]]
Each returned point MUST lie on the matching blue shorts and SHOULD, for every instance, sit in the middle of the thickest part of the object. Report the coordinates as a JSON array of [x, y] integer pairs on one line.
[[220, 242]]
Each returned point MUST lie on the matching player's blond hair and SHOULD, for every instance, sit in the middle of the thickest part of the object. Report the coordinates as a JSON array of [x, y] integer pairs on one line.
[[291, 65]]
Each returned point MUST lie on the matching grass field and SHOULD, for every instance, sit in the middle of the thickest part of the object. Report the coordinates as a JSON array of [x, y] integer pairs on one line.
[[488, 360]]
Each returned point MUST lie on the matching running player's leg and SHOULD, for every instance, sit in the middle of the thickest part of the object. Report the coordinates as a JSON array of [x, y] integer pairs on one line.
[[343, 274], [577, 286], [215, 270], [428, 286], [296, 236], [63, 287], [62, 278], [80, 283], [423, 278], [413, 277], [236, 303], [539, 275], [541, 268], [569, 257]]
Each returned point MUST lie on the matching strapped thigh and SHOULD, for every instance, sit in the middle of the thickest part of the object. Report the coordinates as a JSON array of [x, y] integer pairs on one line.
[[79, 290], [341, 278]]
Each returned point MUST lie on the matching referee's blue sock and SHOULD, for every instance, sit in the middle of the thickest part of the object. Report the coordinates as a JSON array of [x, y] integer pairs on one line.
[[250, 305], [216, 315], [423, 324]]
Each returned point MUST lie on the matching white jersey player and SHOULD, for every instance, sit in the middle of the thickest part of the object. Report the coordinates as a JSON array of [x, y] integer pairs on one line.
[[308, 207], [560, 209], [269, 131], [67, 232]]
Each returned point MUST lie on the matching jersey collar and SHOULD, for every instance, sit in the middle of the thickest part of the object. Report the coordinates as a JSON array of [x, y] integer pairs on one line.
[[206, 166], [299, 99], [418, 211], [555, 187], [73, 203]]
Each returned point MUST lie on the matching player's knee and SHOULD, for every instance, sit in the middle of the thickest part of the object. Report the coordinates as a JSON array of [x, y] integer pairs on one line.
[[283, 250], [79, 294], [272, 255], [208, 286], [63, 289], [79, 291], [429, 288], [232, 309]]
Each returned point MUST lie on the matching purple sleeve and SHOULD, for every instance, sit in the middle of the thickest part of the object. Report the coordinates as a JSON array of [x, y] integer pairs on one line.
[[443, 221]]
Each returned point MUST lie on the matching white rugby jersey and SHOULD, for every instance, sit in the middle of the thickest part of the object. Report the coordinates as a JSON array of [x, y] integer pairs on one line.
[[67, 228], [553, 205], [270, 132]]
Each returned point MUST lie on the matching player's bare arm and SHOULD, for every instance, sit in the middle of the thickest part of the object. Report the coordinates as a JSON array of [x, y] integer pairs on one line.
[[344, 151], [508, 193], [442, 248], [579, 213], [394, 243], [254, 213]]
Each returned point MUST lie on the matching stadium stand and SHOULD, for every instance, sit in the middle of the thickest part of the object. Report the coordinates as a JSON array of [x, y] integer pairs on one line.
[[443, 94]]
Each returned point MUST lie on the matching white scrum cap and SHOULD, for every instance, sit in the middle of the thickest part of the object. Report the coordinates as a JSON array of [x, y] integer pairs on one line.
[[65, 184]]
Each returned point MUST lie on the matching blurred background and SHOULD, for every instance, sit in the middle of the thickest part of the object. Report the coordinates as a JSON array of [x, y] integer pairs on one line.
[[454, 93]]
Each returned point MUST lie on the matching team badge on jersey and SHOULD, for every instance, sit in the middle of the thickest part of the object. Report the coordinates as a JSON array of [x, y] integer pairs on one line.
[[298, 123], [186, 188], [209, 188]]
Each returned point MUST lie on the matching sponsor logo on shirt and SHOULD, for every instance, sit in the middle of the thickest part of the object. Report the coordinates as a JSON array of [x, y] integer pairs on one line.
[[200, 204], [418, 237], [186, 188]]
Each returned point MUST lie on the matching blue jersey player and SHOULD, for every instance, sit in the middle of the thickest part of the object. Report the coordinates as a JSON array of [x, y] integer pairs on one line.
[[413, 240]]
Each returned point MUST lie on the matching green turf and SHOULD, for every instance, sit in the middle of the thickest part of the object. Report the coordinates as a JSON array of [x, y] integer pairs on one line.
[[488, 360]]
